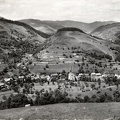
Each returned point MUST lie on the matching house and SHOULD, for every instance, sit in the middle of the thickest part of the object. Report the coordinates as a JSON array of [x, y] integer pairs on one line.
[[86, 75], [29, 56], [118, 76], [80, 74], [96, 76], [21, 77], [54, 75], [72, 76], [109, 73], [19, 64], [1, 61], [7, 80], [2, 85]]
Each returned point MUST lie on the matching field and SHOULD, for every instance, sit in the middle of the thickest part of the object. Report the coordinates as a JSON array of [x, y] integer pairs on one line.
[[54, 68], [74, 91], [69, 111]]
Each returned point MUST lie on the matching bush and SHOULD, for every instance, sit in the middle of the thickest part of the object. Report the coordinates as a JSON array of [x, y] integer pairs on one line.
[[47, 66], [93, 98], [102, 98], [86, 99], [15, 101], [79, 99]]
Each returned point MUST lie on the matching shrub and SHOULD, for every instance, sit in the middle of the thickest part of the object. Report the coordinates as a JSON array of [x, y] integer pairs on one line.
[[79, 98], [102, 98], [47, 66], [86, 99]]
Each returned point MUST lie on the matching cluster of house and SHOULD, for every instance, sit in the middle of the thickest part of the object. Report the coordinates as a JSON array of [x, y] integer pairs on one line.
[[92, 76], [71, 76]]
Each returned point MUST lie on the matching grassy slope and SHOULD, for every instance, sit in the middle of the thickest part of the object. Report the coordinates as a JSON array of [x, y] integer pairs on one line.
[[70, 111], [18, 31], [58, 45], [43, 26], [94, 42], [72, 38]]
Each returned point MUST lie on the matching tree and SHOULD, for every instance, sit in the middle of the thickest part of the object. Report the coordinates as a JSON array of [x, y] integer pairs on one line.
[[93, 98], [19, 100], [4, 97], [70, 56], [86, 99], [93, 86], [82, 59], [5, 70], [102, 98], [63, 72], [16, 89], [116, 95], [47, 66]]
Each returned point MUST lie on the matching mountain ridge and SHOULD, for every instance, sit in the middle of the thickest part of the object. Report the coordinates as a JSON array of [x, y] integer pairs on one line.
[[86, 27]]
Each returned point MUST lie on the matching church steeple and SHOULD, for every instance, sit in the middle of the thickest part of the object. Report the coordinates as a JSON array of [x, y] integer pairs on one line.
[[71, 69]]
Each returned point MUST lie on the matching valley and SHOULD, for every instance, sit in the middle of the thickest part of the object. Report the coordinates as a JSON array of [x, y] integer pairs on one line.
[[57, 62]]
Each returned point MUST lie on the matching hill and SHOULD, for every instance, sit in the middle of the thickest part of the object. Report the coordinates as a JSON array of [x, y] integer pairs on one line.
[[51, 27], [109, 32], [69, 41], [70, 111], [69, 47], [44, 26], [18, 38], [86, 27]]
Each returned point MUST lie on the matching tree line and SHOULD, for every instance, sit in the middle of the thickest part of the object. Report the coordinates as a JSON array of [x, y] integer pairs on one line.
[[53, 97], [69, 29]]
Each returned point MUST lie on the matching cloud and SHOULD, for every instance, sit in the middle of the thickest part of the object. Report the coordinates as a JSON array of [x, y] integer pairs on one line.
[[81, 10]]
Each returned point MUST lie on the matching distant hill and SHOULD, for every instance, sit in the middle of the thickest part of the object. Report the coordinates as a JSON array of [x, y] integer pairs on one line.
[[86, 27], [109, 32], [44, 26], [50, 27]]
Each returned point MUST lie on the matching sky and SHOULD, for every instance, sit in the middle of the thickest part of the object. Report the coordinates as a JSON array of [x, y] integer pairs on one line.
[[77, 10]]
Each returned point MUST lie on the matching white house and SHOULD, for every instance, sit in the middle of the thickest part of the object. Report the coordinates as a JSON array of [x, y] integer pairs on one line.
[[2, 85], [96, 76], [7, 80], [71, 76]]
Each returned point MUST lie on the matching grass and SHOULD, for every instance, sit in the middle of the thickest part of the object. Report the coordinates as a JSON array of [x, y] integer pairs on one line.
[[74, 91], [70, 111], [54, 68]]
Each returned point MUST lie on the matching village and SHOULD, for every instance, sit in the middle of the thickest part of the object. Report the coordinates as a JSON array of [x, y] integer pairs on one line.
[[45, 86], [81, 82]]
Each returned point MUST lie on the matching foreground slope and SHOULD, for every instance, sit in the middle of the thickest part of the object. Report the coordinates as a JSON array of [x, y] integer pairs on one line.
[[70, 111]]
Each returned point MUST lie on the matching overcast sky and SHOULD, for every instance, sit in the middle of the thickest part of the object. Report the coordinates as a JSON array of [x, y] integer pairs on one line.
[[78, 10]]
